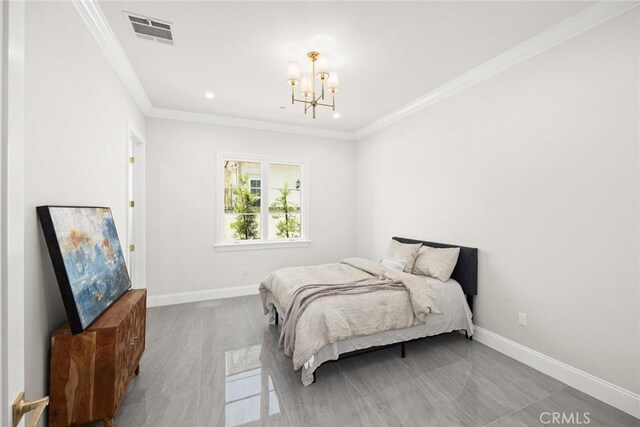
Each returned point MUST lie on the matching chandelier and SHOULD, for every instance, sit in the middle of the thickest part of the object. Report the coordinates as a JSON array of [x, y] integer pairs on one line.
[[319, 70]]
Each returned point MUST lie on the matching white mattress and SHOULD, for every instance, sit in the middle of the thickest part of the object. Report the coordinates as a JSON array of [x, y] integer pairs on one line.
[[455, 315]]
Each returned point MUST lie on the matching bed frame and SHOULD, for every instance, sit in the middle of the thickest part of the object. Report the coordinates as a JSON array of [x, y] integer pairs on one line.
[[465, 273]]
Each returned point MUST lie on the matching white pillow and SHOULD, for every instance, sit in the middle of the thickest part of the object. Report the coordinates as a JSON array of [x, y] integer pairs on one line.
[[436, 262], [396, 265], [402, 252]]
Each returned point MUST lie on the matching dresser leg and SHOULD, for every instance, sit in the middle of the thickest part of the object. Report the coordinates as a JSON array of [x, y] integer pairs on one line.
[[137, 371], [108, 422]]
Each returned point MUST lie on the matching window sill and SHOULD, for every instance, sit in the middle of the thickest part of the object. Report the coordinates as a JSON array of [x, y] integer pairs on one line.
[[248, 246]]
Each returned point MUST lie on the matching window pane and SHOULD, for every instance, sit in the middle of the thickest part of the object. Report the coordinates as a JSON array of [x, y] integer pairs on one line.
[[242, 184], [254, 187], [241, 226], [285, 226], [285, 189]]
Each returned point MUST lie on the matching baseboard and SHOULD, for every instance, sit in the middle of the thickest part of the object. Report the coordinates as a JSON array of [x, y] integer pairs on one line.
[[184, 297], [605, 391]]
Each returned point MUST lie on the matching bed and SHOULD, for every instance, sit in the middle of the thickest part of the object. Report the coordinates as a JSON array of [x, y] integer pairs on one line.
[[336, 327]]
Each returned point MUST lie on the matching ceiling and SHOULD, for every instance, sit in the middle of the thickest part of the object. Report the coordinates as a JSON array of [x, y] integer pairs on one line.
[[387, 53]]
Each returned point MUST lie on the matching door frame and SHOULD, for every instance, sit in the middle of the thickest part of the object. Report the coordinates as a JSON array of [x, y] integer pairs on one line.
[[12, 342], [136, 216]]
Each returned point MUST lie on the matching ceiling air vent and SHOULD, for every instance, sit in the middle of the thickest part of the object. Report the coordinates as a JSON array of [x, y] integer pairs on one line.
[[151, 29]]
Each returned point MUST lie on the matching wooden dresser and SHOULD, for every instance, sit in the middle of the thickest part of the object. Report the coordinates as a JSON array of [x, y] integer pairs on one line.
[[90, 371]]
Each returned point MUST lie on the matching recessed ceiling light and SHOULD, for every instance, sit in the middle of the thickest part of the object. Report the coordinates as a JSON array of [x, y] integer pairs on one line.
[[336, 115], [209, 95], [283, 108]]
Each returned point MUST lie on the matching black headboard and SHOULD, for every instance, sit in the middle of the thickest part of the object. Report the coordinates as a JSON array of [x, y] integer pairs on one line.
[[466, 271]]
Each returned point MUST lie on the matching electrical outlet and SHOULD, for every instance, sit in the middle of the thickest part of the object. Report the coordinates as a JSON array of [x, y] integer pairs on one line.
[[522, 319]]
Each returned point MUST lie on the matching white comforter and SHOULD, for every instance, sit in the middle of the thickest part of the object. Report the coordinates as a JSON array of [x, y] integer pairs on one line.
[[341, 317]]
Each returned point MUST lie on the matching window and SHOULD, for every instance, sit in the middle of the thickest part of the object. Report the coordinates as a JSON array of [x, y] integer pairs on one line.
[[254, 186], [261, 201]]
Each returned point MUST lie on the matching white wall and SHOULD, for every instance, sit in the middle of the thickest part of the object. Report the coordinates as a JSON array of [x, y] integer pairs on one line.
[[181, 205], [538, 167], [77, 111]]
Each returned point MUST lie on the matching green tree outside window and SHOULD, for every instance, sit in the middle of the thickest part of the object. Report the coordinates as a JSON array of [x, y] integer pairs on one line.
[[288, 226], [246, 205]]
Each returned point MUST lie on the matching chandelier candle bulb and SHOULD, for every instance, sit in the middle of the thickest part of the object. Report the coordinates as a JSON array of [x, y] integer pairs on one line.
[[293, 73], [305, 86], [322, 67], [333, 83]]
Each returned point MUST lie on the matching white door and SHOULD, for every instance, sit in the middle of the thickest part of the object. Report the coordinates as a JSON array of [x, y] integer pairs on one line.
[[12, 348]]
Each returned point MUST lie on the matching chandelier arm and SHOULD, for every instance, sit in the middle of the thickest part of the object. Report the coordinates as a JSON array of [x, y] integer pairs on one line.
[[317, 103]]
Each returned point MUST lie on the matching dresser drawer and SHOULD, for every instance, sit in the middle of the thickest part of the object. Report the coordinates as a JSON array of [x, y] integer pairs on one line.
[[130, 345]]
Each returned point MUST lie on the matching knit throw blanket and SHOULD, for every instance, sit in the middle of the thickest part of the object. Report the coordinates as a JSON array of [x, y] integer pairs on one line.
[[305, 295]]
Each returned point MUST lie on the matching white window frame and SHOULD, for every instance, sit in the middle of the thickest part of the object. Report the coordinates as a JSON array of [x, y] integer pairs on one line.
[[263, 242]]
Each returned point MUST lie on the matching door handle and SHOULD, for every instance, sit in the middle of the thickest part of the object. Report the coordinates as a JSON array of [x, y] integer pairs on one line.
[[21, 407]]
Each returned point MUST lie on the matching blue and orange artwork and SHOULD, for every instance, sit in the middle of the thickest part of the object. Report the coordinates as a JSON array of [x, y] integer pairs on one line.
[[92, 256]]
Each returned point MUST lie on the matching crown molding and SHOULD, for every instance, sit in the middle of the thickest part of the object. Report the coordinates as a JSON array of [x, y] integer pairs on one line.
[[187, 116], [570, 27], [590, 17], [94, 18]]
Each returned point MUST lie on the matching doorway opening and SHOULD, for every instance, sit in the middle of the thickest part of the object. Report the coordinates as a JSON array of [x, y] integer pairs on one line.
[[136, 204]]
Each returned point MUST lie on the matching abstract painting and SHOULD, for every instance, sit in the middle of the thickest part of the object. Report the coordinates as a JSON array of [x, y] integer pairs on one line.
[[87, 259]]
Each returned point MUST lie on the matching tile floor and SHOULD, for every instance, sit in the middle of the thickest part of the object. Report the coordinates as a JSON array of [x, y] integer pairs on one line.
[[217, 363]]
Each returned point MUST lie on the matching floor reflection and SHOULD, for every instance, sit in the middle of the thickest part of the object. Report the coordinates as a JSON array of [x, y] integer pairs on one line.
[[187, 379], [249, 392]]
